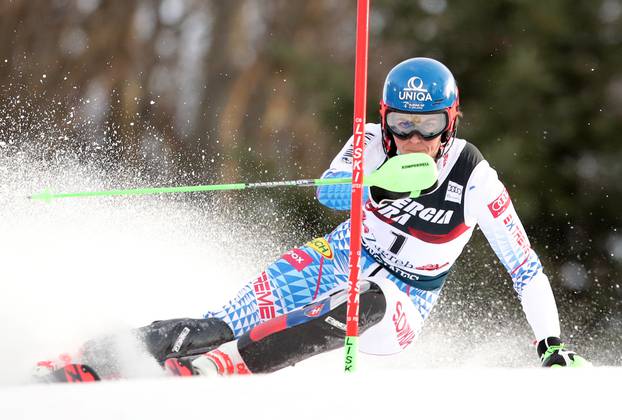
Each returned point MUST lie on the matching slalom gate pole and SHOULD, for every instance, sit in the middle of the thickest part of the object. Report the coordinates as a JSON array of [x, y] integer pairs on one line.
[[356, 210]]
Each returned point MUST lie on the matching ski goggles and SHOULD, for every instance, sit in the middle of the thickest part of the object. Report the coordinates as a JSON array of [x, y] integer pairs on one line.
[[428, 126]]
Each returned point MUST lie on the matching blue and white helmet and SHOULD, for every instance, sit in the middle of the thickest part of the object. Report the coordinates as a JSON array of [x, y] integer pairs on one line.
[[419, 85]]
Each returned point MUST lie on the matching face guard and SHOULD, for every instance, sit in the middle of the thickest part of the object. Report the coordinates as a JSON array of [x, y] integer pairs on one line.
[[404, 125]]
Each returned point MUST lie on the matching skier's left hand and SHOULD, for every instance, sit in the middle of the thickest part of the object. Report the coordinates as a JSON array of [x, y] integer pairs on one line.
[[553, 354]]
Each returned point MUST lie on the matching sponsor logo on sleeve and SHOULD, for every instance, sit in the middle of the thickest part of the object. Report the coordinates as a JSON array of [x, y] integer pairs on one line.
[[500, 204], [298, 259], [454, 192], [264, 297], [518, 233], [322, 246], [348, 154]]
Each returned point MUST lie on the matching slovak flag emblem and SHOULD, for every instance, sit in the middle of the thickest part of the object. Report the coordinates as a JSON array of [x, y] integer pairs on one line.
[[314, 311]]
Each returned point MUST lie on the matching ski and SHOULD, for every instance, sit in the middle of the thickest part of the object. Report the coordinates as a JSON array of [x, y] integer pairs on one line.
[[77, 373], [71, 373], [179, 366]]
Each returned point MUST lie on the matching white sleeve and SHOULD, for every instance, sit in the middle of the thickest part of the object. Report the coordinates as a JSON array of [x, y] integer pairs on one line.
[[373, 157], [339, 197], [488, 204]]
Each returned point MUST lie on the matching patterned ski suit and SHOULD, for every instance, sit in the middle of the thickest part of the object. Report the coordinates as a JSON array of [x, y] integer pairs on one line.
[[409, 247]]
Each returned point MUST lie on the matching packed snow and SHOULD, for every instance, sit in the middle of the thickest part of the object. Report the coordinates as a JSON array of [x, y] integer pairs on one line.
[[78, 268]]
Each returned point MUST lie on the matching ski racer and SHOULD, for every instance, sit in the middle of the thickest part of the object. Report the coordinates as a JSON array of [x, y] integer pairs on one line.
[[296, 307]]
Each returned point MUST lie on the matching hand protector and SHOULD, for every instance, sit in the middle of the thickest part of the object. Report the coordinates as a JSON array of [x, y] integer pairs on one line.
[[378, 195], [553, 354]]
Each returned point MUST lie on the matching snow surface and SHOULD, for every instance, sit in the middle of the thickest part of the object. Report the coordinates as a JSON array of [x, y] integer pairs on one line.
[[327, 393], [75, 269]]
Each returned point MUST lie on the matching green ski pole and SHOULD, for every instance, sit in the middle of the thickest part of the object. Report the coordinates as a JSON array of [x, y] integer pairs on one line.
[[405, 173]]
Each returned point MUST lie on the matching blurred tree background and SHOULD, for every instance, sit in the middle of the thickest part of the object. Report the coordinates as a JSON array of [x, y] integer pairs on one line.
[[199, 91]]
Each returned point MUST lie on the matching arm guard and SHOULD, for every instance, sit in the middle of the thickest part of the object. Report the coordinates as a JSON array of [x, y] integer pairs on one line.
[[338, 197]]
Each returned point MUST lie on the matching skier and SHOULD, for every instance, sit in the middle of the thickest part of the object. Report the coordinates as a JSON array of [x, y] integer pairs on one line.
[[296, 307]]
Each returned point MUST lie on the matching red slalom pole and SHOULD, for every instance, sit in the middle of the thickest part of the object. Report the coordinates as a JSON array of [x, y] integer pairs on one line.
[[356, 209]]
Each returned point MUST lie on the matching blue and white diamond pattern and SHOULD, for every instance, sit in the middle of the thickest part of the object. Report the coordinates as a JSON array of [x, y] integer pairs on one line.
[[241, 313], [525, 273], [337, 197], [292, 289]]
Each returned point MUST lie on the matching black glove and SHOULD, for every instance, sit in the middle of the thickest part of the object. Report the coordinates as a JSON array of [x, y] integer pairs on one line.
[[553, 354]]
